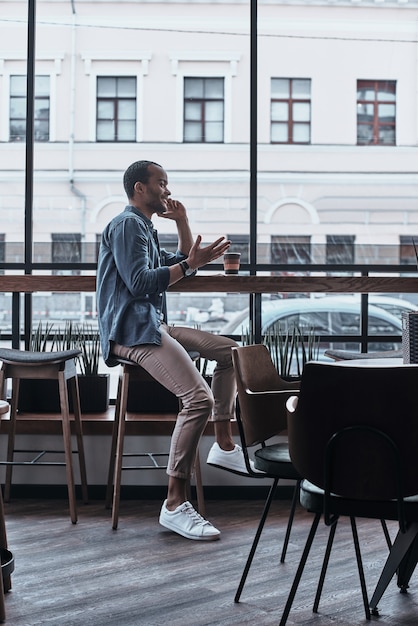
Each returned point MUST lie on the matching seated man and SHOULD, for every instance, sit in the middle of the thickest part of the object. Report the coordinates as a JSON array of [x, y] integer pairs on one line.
[[132, 278]]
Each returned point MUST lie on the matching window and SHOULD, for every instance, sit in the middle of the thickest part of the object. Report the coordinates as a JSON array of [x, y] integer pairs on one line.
[[290, 110], [66, 248], [116, 108], [376, 112], [18, 108], [340, 249], [241, 243], [203, 110], [407, 254], [295, 250]]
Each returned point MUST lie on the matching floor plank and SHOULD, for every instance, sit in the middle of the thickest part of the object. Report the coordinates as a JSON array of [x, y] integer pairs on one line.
[[143, 575]]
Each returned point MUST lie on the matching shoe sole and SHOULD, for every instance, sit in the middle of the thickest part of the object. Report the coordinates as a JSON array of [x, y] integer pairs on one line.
[[237, 472], [187, 536]]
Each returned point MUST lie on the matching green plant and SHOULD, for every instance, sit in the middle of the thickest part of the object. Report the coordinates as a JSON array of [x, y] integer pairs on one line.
[[74, 336], [87, 339], [289, 348]]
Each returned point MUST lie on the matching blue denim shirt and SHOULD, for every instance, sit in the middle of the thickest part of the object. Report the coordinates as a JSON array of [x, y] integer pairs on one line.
[[132, 277]]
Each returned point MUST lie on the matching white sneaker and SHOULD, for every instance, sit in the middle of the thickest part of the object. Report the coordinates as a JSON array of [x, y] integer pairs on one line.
[[186, 521], [231, 460]]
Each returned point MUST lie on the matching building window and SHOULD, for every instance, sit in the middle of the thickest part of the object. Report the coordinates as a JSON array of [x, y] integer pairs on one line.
[[290, 110], [376, 112], [203, 110], [291, 250], [18, 108], [340, 250], [240, 243], [116, 108], [66, 248], [407, 254]]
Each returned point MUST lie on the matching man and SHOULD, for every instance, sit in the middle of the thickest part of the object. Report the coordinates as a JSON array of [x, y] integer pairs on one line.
[[132, 277]]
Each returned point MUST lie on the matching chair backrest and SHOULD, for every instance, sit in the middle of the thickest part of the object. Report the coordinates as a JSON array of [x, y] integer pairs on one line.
[[262, 394], [355, 429]]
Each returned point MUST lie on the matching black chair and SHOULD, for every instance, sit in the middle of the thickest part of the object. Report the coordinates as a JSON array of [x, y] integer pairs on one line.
[[261, 415], [353, 435]]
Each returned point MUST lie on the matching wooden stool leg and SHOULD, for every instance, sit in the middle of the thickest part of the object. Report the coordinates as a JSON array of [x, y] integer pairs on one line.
[[11, 438], [115, 430], [73, 385], [66, 433], [199, 487], [119, 450]]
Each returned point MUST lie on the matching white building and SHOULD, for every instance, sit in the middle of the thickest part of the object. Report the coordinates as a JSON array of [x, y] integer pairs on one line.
[[337, 120]]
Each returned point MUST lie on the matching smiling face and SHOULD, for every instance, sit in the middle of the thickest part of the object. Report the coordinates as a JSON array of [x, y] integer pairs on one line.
[[151, 197]]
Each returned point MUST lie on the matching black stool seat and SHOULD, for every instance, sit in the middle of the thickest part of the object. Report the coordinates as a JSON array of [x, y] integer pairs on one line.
[[25, 357], [60, 366]]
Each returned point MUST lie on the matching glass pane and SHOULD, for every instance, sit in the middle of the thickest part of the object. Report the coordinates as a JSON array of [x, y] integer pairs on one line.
[[214, 88], [126, 86], [106, 86], [214, 111], [301, 111], [105, 109], [301, 88], [18, 131], [387, 135], [41, 130], [126, 131], [193, 88], [280, 88], [42, 85], [387, 92], [193, 111], [386, 112], [127, 109], [365, 133], [18, 107], [280, 133], [214, 132], [279, 111], [193, 132], [18, 85], [41, 108], [301, 133], [105, 131], [365, 112]]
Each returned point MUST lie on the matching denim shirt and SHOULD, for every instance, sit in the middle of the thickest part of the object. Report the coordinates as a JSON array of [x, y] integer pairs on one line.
[[132, 277]]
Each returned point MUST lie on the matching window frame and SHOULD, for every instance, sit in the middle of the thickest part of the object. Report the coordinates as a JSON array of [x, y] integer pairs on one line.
[[290, 102], [377, 125]]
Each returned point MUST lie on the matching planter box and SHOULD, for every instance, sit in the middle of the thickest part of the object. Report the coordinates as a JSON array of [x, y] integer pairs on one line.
[[148, 396], [41, 396]]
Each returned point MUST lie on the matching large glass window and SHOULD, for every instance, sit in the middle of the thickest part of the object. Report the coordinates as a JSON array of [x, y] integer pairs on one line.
[[290, 249], [376, 112], [203, 110], [18, 108], [66, 248], [290, 110], [116, 108]]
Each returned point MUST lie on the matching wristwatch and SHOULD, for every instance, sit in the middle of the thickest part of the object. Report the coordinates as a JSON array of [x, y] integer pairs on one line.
[[187, 270]]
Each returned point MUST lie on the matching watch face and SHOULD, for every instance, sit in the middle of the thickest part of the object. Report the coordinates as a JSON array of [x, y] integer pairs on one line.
[[189, 272]]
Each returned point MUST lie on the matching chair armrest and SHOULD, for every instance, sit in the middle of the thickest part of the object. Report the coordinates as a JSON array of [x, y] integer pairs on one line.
[[291, 404]]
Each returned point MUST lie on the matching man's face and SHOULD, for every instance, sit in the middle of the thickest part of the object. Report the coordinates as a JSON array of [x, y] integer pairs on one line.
[[156, 192]]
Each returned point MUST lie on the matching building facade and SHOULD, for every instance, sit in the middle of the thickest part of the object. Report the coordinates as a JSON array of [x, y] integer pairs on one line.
[[337, 123]]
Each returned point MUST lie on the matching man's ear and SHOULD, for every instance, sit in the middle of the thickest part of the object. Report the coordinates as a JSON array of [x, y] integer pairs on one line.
[[138, 187]]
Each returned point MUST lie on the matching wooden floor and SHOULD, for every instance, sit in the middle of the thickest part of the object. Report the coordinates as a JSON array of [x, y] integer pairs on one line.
[[143, 575]]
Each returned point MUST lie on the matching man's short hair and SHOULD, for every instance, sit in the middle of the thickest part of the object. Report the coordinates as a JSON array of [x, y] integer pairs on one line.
[[136, 172]]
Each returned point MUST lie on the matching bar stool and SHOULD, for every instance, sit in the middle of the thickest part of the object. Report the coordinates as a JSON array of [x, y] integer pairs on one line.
[[131, 371], [59, 366]]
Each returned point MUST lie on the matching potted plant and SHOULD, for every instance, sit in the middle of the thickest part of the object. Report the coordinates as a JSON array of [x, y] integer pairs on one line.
[[93, 386]]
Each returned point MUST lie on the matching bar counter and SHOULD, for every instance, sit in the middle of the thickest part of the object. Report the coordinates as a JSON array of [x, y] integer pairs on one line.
[[212, 283]]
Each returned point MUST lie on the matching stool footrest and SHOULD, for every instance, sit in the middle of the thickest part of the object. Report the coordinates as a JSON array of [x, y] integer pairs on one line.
[[151, 456]]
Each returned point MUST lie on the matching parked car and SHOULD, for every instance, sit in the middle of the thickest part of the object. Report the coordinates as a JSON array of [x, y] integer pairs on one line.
[[325, 316], [395, 306]]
